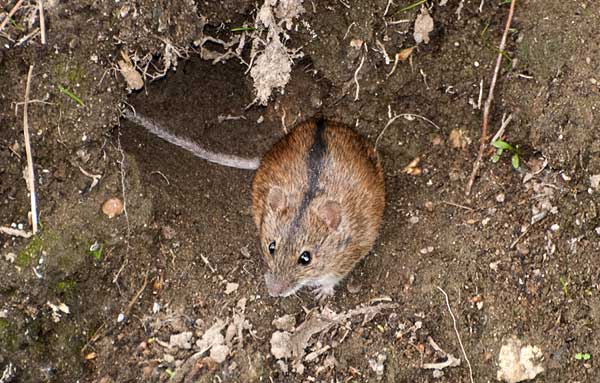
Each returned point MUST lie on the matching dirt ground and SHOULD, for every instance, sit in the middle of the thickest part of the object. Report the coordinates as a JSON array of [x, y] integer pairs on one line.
[[173, 288]]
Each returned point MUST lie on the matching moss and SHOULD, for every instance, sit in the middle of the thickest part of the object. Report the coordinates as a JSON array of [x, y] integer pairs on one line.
[[31, 252], [66, 287], [8, 337], [68, 73], [75, 75]]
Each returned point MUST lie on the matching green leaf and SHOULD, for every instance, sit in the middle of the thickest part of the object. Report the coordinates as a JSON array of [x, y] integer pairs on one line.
[[71, 95], [243, 29], [95, 251], [586, 356], [579, 356], [515, 161], [407, 8], [503, 145], [496, 157]]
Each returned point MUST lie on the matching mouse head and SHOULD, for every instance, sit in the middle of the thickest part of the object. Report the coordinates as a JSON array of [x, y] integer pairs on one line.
[[301, 240]]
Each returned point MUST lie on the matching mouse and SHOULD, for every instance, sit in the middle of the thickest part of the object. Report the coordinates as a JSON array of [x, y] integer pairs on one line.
[[318, 198]]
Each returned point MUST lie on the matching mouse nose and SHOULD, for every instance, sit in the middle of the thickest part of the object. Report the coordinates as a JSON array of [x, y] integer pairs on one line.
[[275, 285]]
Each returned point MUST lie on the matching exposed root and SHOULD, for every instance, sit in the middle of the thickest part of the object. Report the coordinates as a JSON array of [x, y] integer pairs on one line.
[[488, 102]]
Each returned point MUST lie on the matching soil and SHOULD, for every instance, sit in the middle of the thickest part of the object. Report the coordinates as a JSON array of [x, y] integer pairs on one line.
[[517, 258]]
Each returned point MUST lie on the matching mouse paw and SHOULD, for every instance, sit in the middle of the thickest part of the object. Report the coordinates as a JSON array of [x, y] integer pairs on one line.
[[322, 292]]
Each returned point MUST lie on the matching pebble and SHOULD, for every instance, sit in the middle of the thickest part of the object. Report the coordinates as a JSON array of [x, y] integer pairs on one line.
[[181, 340], [286, 323], [112, 207], [429, 206], [500, 197]]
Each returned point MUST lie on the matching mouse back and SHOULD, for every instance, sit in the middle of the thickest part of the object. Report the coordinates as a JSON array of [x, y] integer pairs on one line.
[[318, 199]]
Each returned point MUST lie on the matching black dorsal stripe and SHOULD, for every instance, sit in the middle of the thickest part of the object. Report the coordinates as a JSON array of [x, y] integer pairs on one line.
[[314, 165]]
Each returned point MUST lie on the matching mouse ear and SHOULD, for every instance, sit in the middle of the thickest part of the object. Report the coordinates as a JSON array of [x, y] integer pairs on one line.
[[276, 198], [331, 213]]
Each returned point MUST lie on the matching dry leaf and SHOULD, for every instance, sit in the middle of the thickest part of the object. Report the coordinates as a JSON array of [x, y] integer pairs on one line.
[[404, 54], [412, 168], [457, 139], [90, 356]]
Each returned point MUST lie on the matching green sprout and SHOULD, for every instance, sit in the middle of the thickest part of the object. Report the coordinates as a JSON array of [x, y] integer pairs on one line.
[[503, 2], [502, 146], [409, 7], [16, 25], [70, 94], [95, 251], [243, 29], [170, 373], [564, 285], [583, 356]]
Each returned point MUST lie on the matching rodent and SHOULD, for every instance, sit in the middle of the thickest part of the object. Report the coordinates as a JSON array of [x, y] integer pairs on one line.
[[318, 197]]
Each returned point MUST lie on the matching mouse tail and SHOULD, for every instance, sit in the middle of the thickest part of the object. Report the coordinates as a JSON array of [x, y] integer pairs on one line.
[[217, 158]]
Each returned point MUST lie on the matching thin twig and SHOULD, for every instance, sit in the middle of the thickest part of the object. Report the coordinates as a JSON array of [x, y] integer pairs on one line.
[[42, 21], [30, 175], [457, 333], [500, 132], [28, 36], [10, 14], [488, 102], [457, 205], [137, 295]]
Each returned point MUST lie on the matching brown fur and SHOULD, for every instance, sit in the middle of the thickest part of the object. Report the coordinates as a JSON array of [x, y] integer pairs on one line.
[[351, 178]]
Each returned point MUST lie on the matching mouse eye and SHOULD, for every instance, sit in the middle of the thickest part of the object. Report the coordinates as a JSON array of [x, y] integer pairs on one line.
[[305, 258], [272, 248]]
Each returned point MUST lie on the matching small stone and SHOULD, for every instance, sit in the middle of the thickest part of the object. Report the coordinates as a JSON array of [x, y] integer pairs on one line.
[[282, 366], [353, 287], [245, 252], [555, 227], [168, 232], [454, 175], [181, 340], [285, 323], [500, 197], [10, 257], [597, 230], [281, 344], [413, 220], [219, 353], [518, 363], [429, 206], [494, 265], [168, 358], [378, 365], [595, 181], [113, 207], [231, 287]]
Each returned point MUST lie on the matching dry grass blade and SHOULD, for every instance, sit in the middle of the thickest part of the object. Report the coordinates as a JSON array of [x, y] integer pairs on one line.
[[10, 14], [488, 102], [42, 21], [30, 175]]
